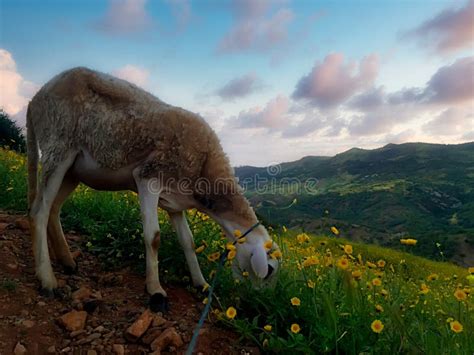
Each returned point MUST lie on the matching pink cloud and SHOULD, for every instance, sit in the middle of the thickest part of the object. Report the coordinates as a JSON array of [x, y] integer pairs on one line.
[[272, 116], [133, 74], [333, 81], [448, 31], [125, 17], [452, 121], [256, 27]]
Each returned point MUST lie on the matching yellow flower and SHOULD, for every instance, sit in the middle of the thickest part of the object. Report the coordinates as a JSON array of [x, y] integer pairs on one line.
[[310, 260], [357, 275], [205, 300], [408, 241], [205, 287], [231, 255], [213, 256], [284, 229], [302, 238], [242, 240], [268, 328], [268, 244], [295, 301], [311, 284], [449, 320], [200, 249], [456, 326], [460, 295], [384, 292], [424, 289], [371, 265], [231, 312], [276, 254], [295, 328], [377, 282], [343, 263], [334, 230], [377, 326], [230, 246], [381, 263], [348, 249], [432, 277], [471, 270], [379, 308], [237, 233]]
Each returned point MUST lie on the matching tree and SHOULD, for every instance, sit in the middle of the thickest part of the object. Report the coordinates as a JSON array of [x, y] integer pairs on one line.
[[11, 135]]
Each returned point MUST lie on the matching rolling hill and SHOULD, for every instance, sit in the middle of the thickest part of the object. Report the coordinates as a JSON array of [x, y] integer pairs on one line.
[[425, 191]]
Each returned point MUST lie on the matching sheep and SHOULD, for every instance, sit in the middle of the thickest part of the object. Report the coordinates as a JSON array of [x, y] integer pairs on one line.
[[108, 134]]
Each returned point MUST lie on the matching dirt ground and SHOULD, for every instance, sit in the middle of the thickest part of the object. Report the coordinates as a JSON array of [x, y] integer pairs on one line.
[[30, 324]]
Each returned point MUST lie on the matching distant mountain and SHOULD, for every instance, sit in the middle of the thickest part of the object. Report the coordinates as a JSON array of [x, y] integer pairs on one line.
[[421, 190]]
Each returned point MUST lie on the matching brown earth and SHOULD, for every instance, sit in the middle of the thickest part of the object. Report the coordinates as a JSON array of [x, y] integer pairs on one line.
[[113, 301]]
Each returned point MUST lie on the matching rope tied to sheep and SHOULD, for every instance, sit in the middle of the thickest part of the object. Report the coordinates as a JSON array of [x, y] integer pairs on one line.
[[206, 309]]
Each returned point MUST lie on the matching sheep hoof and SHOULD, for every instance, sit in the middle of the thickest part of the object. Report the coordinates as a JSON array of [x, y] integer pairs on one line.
[[159, 303], [70, 270]]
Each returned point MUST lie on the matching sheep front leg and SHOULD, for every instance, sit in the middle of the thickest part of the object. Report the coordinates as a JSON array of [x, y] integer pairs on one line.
[[151, 234]]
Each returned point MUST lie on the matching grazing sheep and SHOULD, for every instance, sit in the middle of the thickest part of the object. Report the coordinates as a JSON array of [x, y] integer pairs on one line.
[[111, 135]]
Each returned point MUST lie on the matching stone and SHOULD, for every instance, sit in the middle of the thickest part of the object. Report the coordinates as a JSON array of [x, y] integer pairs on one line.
[[19, 349], [81, 294], [77, 333], [28, 323], [139, 327], [158, 321], [12, 266], [88, 339], [169, 337], [151, 335], [41, 303], [91, 352], [51, 349], [74, 320], [118, 349]]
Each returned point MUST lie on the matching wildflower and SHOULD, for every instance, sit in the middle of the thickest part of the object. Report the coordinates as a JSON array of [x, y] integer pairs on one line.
[[460, 295], [276, 254], [242, 240], [381, 263], [265, 343], [205, 300], [268, 244], [471, 270], [205, 287], [424, 289], [310, 261], [245, 274], [371, 265], [231, 312], [470, 279], [449, 320], [295, 328], [284, 229], [408, 241], [348, 249], [377, 326], [230, 246], [213, 256], [456, 326], [377, 282], [295, 301], [268, 328], [357, 275], [311, 284], [334, 230], [237, 233], [231, 255], [379, 308], [343, 263], [302, 238], [200, 249], [432, 277], [384, 292]]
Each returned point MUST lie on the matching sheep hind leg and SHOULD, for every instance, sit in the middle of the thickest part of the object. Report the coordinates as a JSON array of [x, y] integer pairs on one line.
[[185, 237], [56, 237], [151, 234], [51, 180]]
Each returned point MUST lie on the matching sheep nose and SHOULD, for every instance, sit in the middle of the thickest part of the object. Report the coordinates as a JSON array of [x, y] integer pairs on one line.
[[270, 271]]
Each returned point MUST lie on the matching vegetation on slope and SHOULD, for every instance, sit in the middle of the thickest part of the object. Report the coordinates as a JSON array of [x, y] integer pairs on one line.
[[330, 295]]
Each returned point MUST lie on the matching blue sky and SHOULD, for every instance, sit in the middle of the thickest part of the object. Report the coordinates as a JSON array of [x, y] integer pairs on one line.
[[243, 64]]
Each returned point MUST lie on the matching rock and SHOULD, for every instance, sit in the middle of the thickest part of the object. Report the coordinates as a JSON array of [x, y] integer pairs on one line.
[[41, 303], [77, 333], [51, 349], [28, 323], [156, 352], [139, 327], [73, 320], [151, 335], [169, 337], [66, 349], [19, 349], [23, 224], [99, 329], [91, 352], [89, 339], [81, 294], [158, 321], [119, 349], [28, 301]]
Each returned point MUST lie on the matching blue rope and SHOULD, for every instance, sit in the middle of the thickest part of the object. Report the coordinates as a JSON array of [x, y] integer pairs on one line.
[[206, 309]]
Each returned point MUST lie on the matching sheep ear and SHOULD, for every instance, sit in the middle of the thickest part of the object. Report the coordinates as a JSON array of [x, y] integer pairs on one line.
[[259, 261]]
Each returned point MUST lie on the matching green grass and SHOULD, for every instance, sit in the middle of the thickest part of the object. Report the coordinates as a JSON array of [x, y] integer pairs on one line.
[[336, 307]]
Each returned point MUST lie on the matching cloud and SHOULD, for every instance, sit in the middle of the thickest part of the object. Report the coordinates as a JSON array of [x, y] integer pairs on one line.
[[15, 90], [239, 87], [333, 81], [452, 83], [369, 99], [133, 74], [125, 17], [272, 116], [448, 31], [256, 27], [450, 122]]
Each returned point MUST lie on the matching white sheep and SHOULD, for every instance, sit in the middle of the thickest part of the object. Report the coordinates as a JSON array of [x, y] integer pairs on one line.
[[111, 135]]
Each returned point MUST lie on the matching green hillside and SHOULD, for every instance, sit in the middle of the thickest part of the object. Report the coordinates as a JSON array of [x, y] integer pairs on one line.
[[425, 191]]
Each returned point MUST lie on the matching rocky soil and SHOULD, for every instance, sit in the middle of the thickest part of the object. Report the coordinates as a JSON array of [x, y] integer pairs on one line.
[[98, 312]]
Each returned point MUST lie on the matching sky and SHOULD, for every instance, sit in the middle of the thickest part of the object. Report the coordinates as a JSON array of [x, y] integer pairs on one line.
[[277, 80]]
